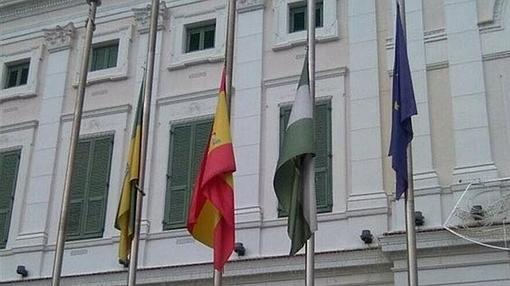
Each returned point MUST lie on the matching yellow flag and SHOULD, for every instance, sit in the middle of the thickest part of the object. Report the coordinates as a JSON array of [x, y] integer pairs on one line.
[[124, 221]]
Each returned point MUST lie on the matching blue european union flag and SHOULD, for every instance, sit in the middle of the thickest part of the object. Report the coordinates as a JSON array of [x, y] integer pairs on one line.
[[403, 106]]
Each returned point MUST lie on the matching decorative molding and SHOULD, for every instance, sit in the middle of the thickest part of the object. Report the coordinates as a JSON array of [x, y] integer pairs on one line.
[[99, 112], [437, 66], [324, 74], [428, 37], [434, 35], [495, 24], [59, 38], [22, 9], [258, 270], [142, 17], [19, 126], [430, 238], [249, 5], [187, 97], [496, 56]]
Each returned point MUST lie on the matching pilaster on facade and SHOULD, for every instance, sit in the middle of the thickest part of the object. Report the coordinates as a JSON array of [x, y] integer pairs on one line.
[[247, 119], [473, 156], [364, 134], [35, 214]]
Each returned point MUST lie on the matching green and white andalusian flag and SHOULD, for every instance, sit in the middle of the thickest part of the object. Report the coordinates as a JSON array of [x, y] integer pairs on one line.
[[294, 178]]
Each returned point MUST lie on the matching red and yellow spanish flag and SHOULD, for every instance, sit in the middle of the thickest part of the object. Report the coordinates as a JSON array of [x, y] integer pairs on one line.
[[211, 212]]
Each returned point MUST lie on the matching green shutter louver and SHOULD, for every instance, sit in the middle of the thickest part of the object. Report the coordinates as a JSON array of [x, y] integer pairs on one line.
[[187, 145], [9, 164], [178, 177], [323, 157], [78, 188], [323, 181], [98, 187], [89, 188]]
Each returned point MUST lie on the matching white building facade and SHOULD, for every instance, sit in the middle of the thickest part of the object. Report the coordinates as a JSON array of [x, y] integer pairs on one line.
[[459, 54]]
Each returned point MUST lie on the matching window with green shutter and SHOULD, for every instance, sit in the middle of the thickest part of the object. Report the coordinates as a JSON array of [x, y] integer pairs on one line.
[[9, 163], [187, 146], [323, 188], [89, 188], [104, 56]]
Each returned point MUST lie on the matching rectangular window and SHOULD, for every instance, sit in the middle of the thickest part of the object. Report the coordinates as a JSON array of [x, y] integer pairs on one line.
[[9, 163], [17, 74], [298, 16], [187, 146], [200, 37], [89, 188], [323, 187], [104, 56]]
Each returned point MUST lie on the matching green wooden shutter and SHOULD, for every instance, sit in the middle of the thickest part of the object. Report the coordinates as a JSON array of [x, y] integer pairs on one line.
[[323, 187], [78, 189], [89, 188], [9, 163], [284, 120], [187, 146], [178, 177], [202, 131], [97, 189], [323, 157]]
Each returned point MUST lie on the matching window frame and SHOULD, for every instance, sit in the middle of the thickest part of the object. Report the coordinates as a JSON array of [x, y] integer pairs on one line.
[[184, 17], [166, 223], [328, 207], [124, 37], [30, 89], [201, 28], [319, 5], [282, 39], [18, 66], [107, 47]]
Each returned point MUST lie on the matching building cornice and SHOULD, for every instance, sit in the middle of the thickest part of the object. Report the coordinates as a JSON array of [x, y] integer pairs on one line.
[[255, 270], [432, 238], [15, 9]]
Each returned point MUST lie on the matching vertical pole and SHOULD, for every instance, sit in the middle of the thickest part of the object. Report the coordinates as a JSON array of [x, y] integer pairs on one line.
[[133, 259], [75, 133], [310, 261], [229, 51], [412, 267], [217, 277], [229, 66], [310, 244]]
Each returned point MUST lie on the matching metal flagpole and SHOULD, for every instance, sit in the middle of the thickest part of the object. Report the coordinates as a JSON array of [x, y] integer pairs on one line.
[[310, 244], [75, 133], [229, 51], [149, 72], [412, 267], [229, 66]]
